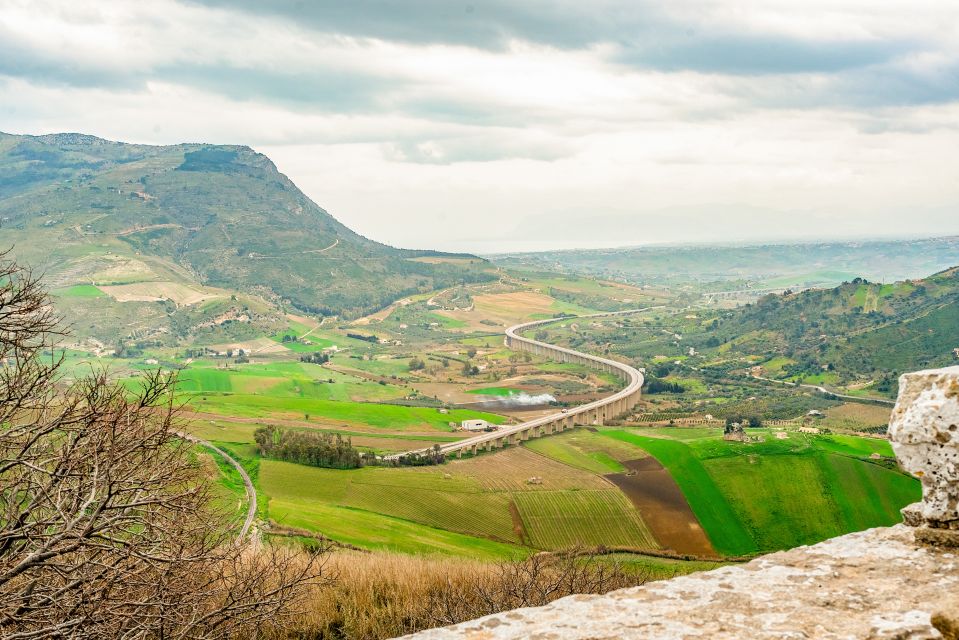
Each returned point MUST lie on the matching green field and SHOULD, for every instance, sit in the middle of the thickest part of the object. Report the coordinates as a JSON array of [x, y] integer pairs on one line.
[[562, 519], [586, 450], [779, 494], [284, 380], [495, 391], [386, 417], [460, 498], [80, 291]]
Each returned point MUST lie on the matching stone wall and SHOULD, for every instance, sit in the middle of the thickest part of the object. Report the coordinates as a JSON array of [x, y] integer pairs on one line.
[[898, 582]]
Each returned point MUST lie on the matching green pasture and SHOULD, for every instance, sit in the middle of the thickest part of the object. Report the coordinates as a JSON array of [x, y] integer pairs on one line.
[[380, 416], [79, 291], [284, 380], [778, 494], [586, 450], [495, 391], [446, 509]]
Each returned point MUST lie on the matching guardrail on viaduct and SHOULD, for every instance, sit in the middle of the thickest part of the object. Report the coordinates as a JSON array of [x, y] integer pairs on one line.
[[596, 412]]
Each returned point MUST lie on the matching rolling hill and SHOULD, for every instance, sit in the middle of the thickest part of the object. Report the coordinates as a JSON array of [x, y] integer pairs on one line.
[[84, 210], [856, 331]]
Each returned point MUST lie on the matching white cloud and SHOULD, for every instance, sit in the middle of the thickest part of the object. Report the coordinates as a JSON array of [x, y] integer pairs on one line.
[[444, 143]]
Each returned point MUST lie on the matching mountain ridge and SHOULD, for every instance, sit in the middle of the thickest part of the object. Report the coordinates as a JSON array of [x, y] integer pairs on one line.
[[224, 212]]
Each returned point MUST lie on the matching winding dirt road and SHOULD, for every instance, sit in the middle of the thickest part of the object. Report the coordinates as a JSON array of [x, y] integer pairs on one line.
[[248, 483]]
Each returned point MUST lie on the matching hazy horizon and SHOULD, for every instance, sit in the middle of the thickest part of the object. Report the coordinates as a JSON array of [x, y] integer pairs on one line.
[[504, 127]]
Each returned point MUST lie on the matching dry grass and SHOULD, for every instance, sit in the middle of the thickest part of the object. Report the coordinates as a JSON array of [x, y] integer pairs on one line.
[[257, 346], [157, 291], [509, 470], [380, 595], [867, 414], [503, 308]]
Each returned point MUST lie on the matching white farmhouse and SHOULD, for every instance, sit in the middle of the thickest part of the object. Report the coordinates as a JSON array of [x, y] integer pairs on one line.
[[475, 425]]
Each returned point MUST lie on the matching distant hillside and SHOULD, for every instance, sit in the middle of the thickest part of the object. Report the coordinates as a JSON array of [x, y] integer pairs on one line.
[[855, 331], [756, 266], [86, 210]]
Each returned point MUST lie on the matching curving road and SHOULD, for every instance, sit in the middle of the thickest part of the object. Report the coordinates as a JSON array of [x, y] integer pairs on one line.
[[587, 414], [248, 483], [825, 391]]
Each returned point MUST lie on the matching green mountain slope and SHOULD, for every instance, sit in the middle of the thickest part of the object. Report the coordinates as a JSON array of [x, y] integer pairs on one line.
[[218, 216], [856, 331]]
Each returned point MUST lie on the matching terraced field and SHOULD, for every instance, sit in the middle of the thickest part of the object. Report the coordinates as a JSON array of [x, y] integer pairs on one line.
[[563, 507], [562, 519]]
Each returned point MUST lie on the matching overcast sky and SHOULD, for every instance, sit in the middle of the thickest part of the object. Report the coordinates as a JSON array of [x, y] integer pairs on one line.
[[505, 125]]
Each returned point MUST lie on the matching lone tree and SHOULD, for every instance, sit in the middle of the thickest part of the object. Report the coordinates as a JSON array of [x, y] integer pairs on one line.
[[107, 527]]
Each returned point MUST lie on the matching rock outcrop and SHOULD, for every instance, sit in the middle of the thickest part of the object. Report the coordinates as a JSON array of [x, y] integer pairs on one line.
[[924, 430]]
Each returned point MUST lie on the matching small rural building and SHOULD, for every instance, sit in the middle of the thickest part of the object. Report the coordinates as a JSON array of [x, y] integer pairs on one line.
[[475, 425], [816, 413], [812, 430], [151, 361], [875, 456], [955, 352]]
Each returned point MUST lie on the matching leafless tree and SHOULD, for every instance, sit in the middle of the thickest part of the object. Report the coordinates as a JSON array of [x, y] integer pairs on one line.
[[107, 523]]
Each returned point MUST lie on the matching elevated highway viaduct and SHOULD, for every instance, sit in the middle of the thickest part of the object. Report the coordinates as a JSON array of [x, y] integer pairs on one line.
[[593, 413]]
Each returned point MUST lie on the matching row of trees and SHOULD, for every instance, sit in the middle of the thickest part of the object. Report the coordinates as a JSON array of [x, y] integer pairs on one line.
[[313, 448]]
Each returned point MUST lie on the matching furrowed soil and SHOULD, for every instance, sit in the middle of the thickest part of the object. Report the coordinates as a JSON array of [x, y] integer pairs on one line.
[[658, 498]]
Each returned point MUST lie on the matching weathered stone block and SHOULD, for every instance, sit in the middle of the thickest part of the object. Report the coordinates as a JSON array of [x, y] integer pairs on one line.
[[946, 618], [924, 429]]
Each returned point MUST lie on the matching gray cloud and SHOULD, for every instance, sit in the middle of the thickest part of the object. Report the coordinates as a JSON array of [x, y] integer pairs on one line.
[[489, 24], [19, 60], [748, 54], [322, 88], [648, 37]]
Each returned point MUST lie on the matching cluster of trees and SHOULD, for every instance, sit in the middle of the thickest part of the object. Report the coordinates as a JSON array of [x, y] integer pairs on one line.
[[416, 364], [470, 369], [307, 447], [746, 421], [655, 385], [315, 358]]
